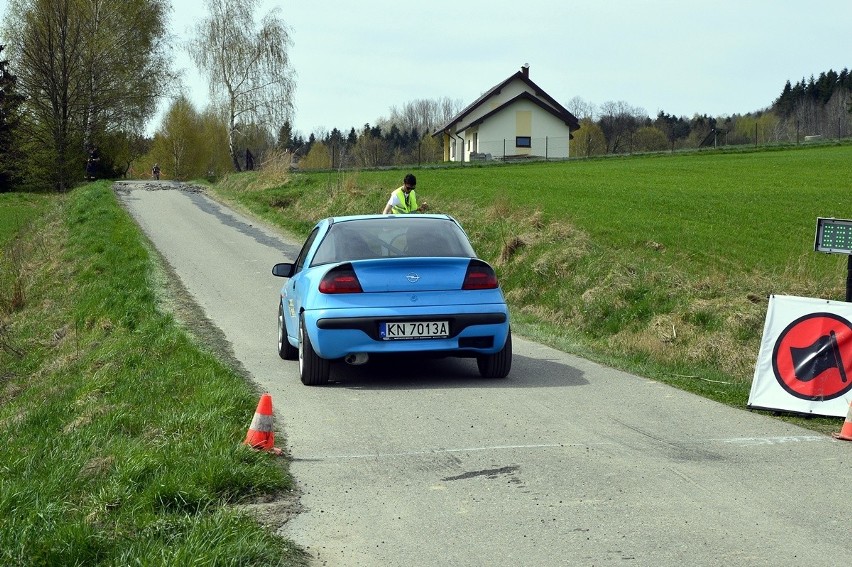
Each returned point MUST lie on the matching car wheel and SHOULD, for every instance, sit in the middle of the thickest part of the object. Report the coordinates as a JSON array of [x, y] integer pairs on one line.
[[313, 370], [285, 349], [499, 364]]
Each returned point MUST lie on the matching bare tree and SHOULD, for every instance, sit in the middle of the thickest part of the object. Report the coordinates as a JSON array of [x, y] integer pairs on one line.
[[581, 108], [837, 113], [247, 66], [619, 121], [423, 115], [370, 150]]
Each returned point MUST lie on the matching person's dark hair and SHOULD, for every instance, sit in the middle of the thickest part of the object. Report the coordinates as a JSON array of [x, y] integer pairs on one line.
[[410, 180]]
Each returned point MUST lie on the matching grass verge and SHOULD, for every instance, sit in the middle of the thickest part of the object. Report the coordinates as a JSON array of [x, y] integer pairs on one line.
[[122, 435], [660, 265], [17, 210]]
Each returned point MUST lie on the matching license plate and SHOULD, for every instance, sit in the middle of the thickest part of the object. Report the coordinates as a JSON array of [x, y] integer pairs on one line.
[[415, 330]]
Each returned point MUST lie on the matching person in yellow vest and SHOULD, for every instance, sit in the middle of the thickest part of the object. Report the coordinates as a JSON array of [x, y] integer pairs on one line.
[[403, 200]]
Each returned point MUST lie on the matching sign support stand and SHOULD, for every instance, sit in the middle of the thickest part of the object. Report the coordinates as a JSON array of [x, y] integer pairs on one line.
[[834, 236], [849, 279]]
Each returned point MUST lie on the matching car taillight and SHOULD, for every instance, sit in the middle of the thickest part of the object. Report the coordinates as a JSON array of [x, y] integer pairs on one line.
[[479, 276], [341, 279]]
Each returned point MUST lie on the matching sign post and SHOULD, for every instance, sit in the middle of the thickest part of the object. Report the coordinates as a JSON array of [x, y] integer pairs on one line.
[[834, 236]]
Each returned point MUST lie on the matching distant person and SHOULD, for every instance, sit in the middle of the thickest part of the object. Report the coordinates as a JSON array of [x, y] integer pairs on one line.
[[155, 171], [404, 200], [92, 164]]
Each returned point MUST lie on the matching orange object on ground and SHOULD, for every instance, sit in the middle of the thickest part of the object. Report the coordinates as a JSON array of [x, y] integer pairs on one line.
[[260, 434], [846, 432]]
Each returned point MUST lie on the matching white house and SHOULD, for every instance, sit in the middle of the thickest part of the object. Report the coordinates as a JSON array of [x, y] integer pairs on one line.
[[515, 119]]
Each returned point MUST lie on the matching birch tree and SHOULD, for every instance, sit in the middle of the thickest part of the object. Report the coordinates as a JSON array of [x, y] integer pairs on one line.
[[246, 64]]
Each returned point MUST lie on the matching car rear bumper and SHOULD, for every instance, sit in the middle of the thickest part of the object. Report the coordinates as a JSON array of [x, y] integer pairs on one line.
[[335, 333]]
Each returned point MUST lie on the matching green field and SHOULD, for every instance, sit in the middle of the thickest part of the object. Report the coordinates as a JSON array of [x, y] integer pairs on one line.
[[659, 264]]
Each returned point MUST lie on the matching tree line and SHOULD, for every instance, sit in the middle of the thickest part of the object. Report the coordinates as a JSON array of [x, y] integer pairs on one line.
[[404, 137], [194, 144], [814, 107], [817, 107]]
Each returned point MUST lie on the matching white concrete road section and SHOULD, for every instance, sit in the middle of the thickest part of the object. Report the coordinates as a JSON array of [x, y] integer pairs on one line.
[[565, 462]]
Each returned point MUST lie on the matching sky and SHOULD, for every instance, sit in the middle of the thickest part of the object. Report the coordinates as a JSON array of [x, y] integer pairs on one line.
[[355, 61]]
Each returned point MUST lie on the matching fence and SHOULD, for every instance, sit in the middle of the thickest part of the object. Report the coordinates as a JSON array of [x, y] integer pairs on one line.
[[507, 149]]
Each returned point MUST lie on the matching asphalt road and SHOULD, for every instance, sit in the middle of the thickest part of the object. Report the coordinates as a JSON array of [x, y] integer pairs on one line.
[[565, 462]]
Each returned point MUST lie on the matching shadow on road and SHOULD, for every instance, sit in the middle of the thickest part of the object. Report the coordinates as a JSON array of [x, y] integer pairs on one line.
[[402, 372]]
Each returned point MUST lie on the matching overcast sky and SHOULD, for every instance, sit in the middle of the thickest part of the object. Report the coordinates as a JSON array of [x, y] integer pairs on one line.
[[356, 60]]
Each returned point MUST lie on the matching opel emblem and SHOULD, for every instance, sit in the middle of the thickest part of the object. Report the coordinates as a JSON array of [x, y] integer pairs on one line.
[[412, 277]]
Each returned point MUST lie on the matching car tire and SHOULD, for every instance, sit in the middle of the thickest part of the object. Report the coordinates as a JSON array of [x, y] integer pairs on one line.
[[285, 349], [313, 370], [499, 364]]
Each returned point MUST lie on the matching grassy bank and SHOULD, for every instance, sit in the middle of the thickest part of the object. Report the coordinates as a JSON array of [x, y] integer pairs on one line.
[[122, 438], [661, 265], [17, 210]]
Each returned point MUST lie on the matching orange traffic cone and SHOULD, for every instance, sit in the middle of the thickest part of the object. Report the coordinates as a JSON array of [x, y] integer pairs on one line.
[[260, 434], [846, 431]]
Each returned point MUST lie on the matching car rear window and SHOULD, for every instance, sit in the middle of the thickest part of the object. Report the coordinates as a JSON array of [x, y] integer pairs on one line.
[[392, 237]]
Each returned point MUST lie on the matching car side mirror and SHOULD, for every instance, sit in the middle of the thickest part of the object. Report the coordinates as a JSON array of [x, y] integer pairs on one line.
[[284, 270]]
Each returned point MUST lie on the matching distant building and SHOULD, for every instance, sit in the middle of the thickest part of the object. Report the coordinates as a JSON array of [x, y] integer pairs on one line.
[[515, 119]]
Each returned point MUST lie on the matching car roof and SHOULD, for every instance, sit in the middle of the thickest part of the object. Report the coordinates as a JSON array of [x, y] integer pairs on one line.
[[344, 218]]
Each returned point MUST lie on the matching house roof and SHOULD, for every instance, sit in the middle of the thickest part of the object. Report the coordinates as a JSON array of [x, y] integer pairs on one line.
[[523, 96], [538, 97]]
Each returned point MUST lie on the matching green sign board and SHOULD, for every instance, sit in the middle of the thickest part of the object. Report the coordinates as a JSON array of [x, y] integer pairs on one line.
[[833, 236]]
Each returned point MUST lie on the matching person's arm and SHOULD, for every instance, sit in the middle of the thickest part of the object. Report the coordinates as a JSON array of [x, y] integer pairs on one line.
[[387, 209]]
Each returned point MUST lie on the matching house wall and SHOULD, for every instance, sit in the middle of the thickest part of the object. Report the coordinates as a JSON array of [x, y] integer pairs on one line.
[[496, 136]]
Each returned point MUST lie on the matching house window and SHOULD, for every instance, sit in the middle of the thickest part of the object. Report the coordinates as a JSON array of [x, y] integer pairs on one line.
[[523, 142]]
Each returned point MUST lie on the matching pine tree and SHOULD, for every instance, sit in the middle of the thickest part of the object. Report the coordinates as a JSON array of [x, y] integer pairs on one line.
[[784, 103], [10, 101], [285, 137]]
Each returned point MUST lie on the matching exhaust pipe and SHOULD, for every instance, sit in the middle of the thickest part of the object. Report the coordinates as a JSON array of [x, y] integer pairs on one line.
[[356, 358]]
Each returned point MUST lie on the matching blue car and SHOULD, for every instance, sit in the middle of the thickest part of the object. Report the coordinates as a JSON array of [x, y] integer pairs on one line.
[[371, 285]]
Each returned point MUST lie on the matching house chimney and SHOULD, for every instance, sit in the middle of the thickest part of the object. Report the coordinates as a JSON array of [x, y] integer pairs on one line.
[[525, 70]]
